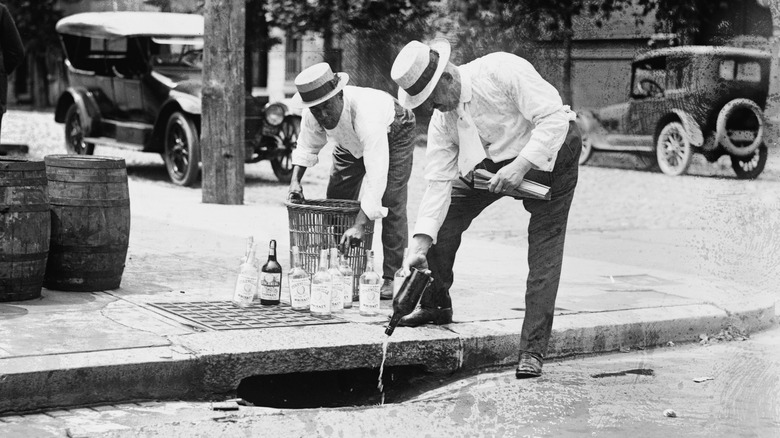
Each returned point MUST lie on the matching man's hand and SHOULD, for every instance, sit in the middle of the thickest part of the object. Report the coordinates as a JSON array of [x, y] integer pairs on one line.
[[295, 193], [510, 176], [416, 258], [351, 238]]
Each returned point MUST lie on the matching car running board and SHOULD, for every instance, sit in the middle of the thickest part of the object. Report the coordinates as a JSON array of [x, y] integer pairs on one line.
[[108, 141]]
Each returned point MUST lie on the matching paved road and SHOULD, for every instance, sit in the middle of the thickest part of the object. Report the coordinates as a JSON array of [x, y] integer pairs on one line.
[[707, 223], [716, 389]]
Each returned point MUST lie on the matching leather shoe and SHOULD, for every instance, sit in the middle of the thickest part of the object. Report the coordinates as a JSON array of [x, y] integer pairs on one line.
[[386, 292], [530, 365], [426, 315]]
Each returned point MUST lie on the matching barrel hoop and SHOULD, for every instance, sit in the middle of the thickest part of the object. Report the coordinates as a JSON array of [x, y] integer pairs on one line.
[[12, 164], [27, 257], [78, 202], [56, 248], [23, 182], [24, 208], [85, 177], [84, 161]]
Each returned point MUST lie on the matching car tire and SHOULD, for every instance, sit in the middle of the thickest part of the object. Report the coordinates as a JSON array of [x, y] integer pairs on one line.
[[673, 149], [74, 133], [282, 163], [182, 150], [587, 150], [741, 110], [750, 168]]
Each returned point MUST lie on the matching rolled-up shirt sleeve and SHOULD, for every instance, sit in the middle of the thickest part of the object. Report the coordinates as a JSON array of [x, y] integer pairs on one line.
[[311, 140], [376, 158], [441, 170], [539, 102]]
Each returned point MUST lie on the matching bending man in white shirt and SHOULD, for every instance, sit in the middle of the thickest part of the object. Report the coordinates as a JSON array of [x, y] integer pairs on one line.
[[373, 137], [494, 113]]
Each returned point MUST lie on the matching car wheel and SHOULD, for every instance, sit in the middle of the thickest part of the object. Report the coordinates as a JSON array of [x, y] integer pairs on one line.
[[74, 133], [673, 149], [587, 150], [750, 167], [282, 163], [182, 150]]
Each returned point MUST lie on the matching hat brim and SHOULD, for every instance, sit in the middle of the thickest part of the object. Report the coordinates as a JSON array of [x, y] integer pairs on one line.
[[343, 79], [442, 46]]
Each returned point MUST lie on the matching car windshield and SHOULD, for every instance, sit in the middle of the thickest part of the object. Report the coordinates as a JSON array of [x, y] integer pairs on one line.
[[177, 52]]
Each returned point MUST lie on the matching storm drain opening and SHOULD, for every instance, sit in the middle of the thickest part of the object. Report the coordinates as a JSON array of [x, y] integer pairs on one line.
[[341, 388]]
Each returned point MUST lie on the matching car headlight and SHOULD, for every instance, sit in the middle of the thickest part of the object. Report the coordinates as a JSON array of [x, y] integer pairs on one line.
[[274, 115]]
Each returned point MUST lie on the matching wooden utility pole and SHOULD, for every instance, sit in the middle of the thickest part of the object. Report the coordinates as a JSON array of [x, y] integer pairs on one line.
[[222, 123], [772, 110]]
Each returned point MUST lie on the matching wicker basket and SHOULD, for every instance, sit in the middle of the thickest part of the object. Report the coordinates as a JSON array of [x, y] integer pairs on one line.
[[317, 224]]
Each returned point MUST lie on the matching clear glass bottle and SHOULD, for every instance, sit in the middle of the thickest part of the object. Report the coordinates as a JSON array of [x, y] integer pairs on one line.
[[348, 277], [399, 277], [369, 285], [321, 288], [249, 242], [300, 283], [271, 278], [247, 281], [337, 280]]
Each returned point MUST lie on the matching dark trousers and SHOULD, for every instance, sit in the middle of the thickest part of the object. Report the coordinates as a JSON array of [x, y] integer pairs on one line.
[[347, 174], [546, 235]]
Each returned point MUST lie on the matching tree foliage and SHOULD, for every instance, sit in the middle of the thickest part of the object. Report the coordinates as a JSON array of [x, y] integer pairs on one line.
[[35, 20]]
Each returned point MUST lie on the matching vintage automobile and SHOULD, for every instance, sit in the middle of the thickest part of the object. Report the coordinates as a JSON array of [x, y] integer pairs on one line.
[[685, 100], [135, 81]]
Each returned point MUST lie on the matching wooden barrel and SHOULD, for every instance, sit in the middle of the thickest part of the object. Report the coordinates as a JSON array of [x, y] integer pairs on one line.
[[24, 228], [90, 222]]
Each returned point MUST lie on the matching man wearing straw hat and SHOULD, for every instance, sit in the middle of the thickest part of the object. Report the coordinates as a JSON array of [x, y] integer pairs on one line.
[[372, 136], [494, 113]]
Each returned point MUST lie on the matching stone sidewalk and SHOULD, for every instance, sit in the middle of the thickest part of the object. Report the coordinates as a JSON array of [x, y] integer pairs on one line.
[[72, 349]]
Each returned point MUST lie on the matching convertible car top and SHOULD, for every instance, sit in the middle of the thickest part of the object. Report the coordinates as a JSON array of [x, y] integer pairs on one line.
[[124, 24]]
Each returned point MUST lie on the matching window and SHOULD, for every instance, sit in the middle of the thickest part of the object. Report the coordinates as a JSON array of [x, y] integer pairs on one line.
[[649, 78], [731, 69], [293, 56]]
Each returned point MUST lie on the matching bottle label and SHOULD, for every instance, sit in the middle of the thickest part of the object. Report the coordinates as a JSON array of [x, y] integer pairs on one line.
[[246, 289], [346, 288], [270, 286], [300, 292], [369, 298], [320, 298]]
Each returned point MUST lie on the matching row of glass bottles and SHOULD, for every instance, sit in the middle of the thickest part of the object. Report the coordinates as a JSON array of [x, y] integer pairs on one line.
[[331, 288], [255, 281]]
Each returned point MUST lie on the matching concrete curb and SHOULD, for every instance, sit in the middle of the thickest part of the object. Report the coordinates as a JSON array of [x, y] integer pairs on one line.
[[203, 365]]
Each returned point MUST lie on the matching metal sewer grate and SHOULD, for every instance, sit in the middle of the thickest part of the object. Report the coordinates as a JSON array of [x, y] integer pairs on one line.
[[223, 315]]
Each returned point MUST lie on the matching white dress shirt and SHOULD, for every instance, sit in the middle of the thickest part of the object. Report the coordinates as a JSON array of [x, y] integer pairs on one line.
[[515, 112], [362, 130]]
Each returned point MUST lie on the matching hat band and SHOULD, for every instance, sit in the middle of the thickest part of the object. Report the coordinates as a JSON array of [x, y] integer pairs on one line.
[[322, 90], [426, 75]]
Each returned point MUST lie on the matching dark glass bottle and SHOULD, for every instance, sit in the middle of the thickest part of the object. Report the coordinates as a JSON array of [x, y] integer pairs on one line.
[[408, 296], [271, 278]]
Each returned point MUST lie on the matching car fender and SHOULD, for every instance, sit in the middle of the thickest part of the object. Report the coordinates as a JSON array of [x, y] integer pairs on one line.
[[166, 110], [87, 107], [188, 103], [692, 128]]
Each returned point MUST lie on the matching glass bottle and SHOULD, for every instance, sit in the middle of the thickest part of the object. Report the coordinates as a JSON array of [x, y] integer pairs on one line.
[[408, 297], [271, 278], [300, 283], [349, 281], [247, 281], [321, 288], [399, 277], [249, 242], [369, 285], [337, 280]]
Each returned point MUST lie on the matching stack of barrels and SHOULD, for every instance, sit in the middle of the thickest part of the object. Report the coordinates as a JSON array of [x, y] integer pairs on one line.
[[64, 224]]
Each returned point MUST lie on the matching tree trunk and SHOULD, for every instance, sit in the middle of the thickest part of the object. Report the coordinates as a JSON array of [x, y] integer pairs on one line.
[[222, 126], [568, 35], [40, 90], [772, 110]]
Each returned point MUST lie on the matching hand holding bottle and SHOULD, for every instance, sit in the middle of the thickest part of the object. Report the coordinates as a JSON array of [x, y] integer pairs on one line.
[[416, 258], [351, 238]]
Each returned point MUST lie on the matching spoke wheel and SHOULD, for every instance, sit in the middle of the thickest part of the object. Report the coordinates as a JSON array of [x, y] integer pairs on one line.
[[182, 150], [750, 167], [282, 162], [74, 134], [673, 150]]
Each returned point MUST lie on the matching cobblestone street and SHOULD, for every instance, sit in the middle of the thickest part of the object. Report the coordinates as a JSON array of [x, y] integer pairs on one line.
[[707, 222]]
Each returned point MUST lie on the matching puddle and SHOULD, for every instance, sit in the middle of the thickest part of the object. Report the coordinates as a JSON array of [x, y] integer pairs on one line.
[[342, 388], [637, 371], [8, 312]]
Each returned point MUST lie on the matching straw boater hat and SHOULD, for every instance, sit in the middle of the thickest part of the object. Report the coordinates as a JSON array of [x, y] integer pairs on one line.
[[417, 70], [317, 83]]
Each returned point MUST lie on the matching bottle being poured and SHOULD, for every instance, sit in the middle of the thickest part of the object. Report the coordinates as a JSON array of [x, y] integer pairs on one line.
[[408, 296]]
